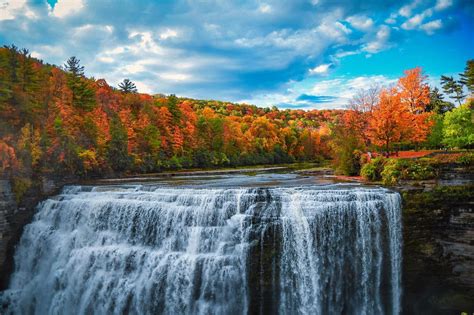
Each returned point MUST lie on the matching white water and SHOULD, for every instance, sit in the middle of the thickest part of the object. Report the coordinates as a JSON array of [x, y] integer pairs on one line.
[[149, 250]]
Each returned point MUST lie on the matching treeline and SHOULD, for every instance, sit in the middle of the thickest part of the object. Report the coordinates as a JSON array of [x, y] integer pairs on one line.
[[55, 120], [408, 115]]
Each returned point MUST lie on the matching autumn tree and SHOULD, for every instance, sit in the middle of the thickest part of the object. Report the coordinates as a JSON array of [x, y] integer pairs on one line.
[[389, 121], [414, 91], [402, 113]]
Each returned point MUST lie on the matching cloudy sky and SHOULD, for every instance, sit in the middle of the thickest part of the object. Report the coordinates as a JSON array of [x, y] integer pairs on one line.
[[292, 54]]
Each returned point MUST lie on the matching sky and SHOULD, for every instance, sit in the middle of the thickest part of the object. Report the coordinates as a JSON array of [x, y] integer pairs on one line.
[[310, 54]]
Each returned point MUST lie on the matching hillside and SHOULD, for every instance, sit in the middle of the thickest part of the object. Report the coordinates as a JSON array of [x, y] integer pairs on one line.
[[56, 120]]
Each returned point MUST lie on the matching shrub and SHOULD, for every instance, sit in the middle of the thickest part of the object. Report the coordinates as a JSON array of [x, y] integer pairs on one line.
[[20, 186], [372, 170], [420, 169], [466, 159], [397, 169], [392, 172]]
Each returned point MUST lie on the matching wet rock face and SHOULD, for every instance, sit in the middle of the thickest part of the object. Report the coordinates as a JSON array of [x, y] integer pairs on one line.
[[14, 216], [7, 210], [438, 264]]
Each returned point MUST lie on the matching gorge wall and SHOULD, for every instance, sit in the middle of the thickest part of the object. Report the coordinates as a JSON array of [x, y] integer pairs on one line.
[[438, 253]]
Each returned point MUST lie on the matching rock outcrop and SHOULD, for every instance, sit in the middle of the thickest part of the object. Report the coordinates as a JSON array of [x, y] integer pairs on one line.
[[438, 263]]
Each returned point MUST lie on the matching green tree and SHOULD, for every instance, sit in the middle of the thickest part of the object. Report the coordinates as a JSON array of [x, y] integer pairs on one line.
[[117, 152], [467, 77], [453, 88], [435, 138], [149, 147], [83, 95], [437, 103], [458, 127], [127, 86], [172, 105]]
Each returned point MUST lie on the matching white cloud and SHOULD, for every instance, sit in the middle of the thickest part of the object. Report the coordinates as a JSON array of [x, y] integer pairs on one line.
[[361, 22], [105, 59], [300, 42], [417, 20], [86, 29], [443, 4], [321, 69], [63, 8], [406, 10], [265, 8], [174, 76], [168, 33], [11, 9], [36, 54], [143, 87], [432, 26], [392, 19], [380, 42]]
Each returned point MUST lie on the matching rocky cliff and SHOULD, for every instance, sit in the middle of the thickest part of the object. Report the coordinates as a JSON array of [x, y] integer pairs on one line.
[[15, 215], [438, 264]]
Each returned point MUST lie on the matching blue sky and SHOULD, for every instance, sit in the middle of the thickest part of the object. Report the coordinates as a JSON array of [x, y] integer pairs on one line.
[[292, 54]]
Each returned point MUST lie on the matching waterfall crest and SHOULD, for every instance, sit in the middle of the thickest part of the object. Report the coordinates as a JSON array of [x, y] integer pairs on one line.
[[156, 250]]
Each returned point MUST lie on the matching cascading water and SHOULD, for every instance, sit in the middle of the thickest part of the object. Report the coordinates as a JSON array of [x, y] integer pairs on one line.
[[156, 250]]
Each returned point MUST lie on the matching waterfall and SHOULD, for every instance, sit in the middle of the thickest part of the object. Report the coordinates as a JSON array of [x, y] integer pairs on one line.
[[158, 250]]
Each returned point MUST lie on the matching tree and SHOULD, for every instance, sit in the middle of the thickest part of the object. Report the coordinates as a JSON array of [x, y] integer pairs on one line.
[[453, 88], [73, 66], [389, 121], [83, 95], [414, 91], [117, 147], [127, 86], [347, 140], [458, 127], [365, 99], [173, 108], [467, 77], [437, 103]]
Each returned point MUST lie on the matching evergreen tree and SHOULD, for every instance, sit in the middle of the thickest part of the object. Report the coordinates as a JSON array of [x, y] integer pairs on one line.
[[83, 96], [127, 86], [467, 77], [437, 103], [453, 88], [173, 108], [117, 152], [73, 66]]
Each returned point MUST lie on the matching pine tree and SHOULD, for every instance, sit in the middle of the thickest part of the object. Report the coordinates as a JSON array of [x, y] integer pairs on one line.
[[453, 88], [127, 86], [437, 103], [83, 96], [72, 66], [467, 77]]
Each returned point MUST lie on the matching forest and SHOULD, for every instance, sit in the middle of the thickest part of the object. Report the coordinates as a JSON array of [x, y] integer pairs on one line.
[[56, 120]]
